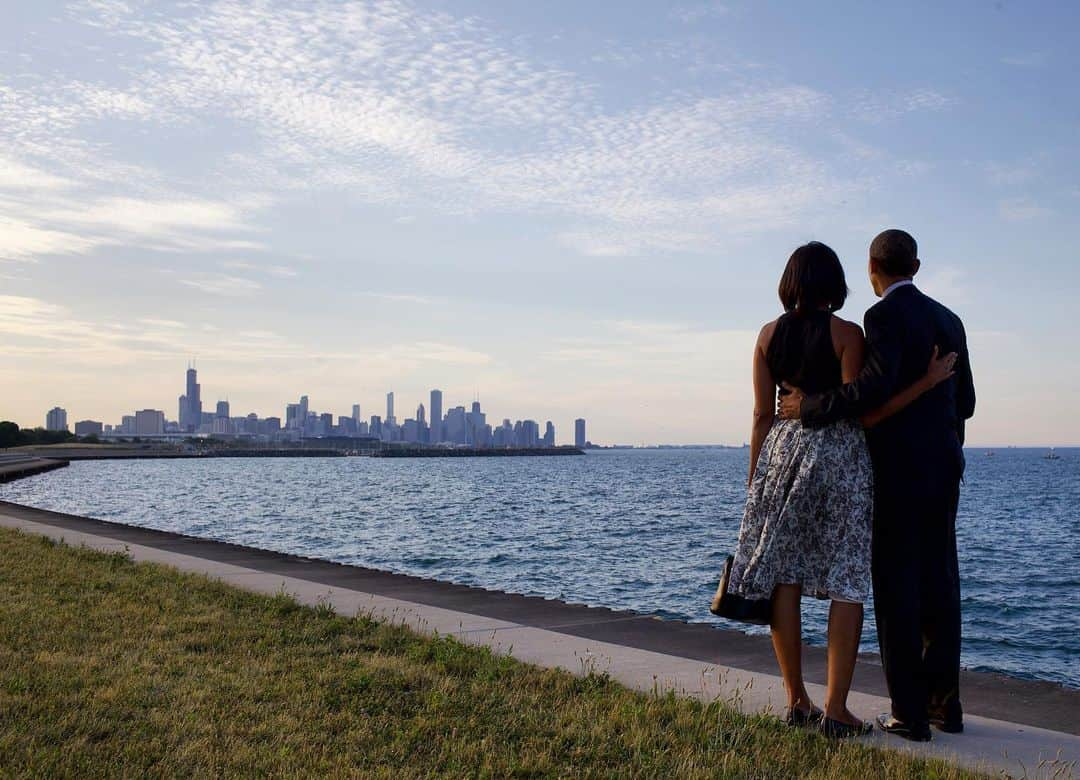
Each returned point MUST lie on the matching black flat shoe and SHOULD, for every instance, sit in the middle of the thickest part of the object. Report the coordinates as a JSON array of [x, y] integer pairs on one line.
[[947, 719], [947, 725], [891, 725], [835, 729], [803, 718]]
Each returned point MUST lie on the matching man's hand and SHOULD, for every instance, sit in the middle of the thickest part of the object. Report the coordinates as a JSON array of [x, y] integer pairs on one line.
[[789, 405]]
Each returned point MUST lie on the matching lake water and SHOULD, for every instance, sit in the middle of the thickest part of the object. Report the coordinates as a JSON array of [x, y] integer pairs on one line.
[[645, 530]]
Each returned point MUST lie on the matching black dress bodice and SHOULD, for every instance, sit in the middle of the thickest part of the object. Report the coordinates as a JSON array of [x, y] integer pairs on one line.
[[801, 352]]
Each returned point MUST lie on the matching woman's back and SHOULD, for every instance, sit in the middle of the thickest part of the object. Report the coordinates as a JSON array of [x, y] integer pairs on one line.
[[801, 352]]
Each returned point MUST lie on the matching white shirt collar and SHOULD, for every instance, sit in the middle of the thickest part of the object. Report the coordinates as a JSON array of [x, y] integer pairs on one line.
[[895, 285]]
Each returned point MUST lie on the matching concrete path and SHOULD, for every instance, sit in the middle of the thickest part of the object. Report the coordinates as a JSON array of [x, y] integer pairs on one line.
[[1019, 727]]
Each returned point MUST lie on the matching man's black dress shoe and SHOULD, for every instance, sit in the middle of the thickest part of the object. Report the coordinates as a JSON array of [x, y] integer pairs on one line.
[[950, 724], [891, 725]]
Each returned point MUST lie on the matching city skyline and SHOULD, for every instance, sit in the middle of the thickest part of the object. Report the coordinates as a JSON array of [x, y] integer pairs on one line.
[[460, 426], [582, 209]]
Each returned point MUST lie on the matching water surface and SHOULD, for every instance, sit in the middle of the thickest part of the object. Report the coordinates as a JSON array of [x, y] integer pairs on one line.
[[645, 530]]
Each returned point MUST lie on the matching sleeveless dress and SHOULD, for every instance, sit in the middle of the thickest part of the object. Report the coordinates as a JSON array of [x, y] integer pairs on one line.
[[810, 505]]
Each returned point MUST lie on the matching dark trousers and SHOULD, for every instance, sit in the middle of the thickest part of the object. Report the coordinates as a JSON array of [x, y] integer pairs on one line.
[[917, 603]]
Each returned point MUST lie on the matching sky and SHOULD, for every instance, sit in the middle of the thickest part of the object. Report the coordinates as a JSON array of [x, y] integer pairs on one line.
[[568, 209]]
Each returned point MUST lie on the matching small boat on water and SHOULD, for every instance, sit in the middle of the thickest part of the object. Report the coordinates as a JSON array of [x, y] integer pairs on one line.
[[1052, 455], [990, 453]]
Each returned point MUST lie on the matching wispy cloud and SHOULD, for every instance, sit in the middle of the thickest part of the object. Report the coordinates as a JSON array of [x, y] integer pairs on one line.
[[1031, 59], [694, 12], [221, 284], [398, 297], [1022, 210], [281, 271], [396, 105]]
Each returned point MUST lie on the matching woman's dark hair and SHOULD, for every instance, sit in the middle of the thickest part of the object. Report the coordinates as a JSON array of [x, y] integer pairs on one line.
[[813, 279]]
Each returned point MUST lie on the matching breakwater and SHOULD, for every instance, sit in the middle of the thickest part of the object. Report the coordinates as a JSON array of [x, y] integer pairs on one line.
[[472, 452], [14, 467]]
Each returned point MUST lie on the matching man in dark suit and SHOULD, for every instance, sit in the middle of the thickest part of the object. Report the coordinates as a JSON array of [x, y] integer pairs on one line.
[[918, 464]]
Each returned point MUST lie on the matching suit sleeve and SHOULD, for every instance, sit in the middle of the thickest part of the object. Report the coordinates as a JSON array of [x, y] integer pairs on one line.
[[874, 385], [965, 385]]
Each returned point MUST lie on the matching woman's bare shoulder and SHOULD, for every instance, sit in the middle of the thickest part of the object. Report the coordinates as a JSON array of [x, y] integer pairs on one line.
[[846, 329], [766, 333]]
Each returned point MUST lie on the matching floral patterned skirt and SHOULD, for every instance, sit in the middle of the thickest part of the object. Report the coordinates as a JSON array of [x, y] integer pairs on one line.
[[808, 514]]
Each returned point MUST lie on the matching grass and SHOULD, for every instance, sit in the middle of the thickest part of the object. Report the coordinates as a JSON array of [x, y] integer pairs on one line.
[[109, 667]]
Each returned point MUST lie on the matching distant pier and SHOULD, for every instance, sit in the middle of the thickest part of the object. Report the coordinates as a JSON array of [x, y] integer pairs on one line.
[[471, 452], [17, 466]]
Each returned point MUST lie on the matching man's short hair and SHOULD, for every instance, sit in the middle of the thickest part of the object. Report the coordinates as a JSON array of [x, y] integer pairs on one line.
[[895, 252]]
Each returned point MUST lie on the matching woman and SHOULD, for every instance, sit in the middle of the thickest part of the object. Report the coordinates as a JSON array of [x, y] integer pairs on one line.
[[807, 525]]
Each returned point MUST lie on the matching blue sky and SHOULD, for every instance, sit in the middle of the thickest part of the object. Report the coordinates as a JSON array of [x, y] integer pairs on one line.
[[569, 208]]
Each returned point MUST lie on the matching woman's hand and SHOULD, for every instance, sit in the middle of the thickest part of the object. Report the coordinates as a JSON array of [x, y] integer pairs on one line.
[[940, 368]]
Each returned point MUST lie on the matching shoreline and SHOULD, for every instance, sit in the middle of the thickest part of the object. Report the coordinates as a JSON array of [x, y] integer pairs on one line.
[[1037, 703]]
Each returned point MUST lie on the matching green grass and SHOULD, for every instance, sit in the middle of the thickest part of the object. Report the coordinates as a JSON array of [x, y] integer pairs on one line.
[[108, 667]]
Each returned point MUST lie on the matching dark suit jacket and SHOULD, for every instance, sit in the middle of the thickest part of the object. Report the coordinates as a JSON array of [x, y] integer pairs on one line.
[[919, 451]]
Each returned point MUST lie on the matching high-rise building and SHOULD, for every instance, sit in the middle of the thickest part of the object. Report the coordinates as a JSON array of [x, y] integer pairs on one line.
[[191, 404], [436, 417], [88, 428], [222, 409], [356, 413], [455, 426], [530, 434], [292, 416], [477, 431], [549, 434], [375, 426], [390, 420], [421, 416], [579, 433], [56, 419], [149, 422]]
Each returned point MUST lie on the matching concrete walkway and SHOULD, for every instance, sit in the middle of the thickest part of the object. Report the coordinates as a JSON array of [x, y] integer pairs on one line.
[[1020, 727], [16, 465]]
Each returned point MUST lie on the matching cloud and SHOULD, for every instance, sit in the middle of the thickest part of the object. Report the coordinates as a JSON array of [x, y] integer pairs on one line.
[[281, 271], [414, 108], [1022, 210], [875, 107], [1031, 59], [947, 284], [24, 241], [696, 12], [398, 297], [399, 106], [1009, 174], [221, 284]]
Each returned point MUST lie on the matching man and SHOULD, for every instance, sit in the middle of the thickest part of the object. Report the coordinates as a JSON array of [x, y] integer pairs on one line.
[[918, 464]]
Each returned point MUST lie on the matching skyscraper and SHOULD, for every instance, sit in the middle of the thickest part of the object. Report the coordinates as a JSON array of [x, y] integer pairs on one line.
[[222, 409], [191, 404], [356, 413], [56, 419], [549, 434], [436, 416], [579, 433], [390, 419]]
